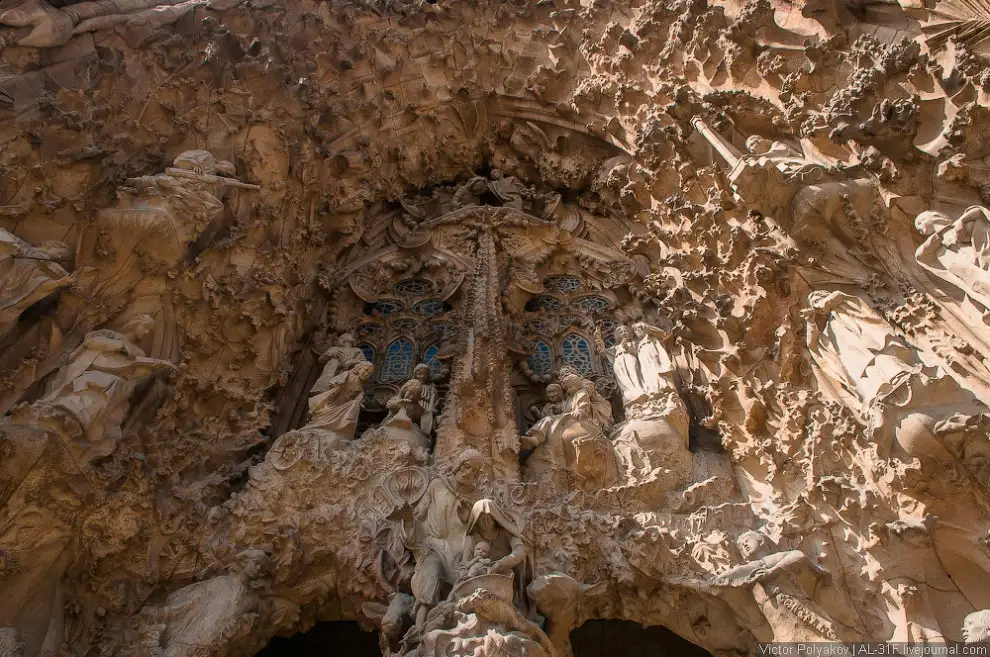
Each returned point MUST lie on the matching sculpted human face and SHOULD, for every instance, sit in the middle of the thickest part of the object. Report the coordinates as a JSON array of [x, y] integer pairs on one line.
[[364, 371], [749, 545], [555, 393], [571, 384], [622, 334], [347, 340], [487, 524], [639, 330], [482, 550], [467, 474], [976, 627]]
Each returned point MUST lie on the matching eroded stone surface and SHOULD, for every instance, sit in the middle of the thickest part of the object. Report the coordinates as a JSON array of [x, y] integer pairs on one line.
[[472, 322]]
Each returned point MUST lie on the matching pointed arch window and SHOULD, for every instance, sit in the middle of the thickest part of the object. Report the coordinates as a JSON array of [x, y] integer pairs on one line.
[[430, 357], [577, 353], [541, 359], [398, 361]]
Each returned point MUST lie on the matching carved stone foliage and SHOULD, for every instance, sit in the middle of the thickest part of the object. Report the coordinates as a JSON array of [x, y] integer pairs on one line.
[[471, 322]]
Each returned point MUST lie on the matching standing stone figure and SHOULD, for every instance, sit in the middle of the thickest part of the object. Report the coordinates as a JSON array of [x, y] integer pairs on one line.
[[344, 355], [427, 398], [655, 366], [959, 252], [93, 391], [624, 357]]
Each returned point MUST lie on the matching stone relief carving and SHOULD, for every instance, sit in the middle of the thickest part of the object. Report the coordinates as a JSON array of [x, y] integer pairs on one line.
[[578, 351]]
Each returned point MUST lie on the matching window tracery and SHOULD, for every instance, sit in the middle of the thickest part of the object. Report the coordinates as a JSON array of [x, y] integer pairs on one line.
[[431, 358], [430, 307], [562, 284], [577, 353], [541, 358], [386, 308], [544, 303], [413, 287], [398, 362], [591, 304]]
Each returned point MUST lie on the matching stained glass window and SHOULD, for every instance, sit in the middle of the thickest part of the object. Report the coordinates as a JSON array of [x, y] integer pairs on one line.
[[541, 358], [429, 307], [369, 352], [430, 357], [368, 329], [544, 303], [591, 304], [387, 308], [577, 353], [413, 287], [404, 324], [562, 284], [398, 361]]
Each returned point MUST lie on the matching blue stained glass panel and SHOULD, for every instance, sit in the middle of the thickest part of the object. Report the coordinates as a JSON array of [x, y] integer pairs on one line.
[[577, 353], [398, 361], [430, 357], [369, 352], [387, 308], [541, 358]]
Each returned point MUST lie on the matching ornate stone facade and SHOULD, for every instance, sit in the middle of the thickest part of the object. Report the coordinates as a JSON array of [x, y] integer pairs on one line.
[[473, 322]]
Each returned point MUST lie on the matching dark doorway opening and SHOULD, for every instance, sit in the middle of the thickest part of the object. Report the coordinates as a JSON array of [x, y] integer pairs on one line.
[[334, 639], [619, 638]]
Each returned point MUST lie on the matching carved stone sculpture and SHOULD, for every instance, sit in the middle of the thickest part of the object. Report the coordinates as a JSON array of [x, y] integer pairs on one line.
[[89, 397], [490, 525], [976, 627], [783, 585], [336, 410], [728, 194], [410, 411], [958, 252], [204, 617], [343, 356], [29, 274], [574, 439]]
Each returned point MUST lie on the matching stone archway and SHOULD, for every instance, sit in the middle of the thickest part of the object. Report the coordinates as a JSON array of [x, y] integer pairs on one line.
[[325, 639], [605, 638]]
